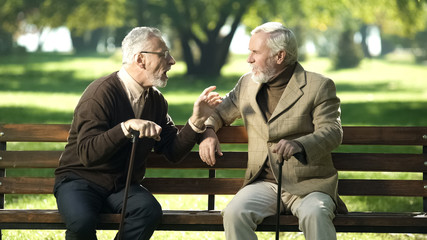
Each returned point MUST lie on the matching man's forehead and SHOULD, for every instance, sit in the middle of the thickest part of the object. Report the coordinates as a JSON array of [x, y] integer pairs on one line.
[[156, 43], [258, 41]]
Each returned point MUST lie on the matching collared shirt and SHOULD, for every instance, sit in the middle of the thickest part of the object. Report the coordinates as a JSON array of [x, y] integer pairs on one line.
[[134, 91], [136, 95]]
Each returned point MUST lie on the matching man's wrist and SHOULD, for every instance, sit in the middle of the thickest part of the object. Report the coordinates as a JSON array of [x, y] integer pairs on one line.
[[197, 126]]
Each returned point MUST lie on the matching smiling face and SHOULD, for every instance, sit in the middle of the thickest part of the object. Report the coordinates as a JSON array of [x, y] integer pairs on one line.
[[157, 64], [260, 59]]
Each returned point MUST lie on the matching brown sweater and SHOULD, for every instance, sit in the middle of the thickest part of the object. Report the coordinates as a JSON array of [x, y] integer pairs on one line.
[[97, 148]]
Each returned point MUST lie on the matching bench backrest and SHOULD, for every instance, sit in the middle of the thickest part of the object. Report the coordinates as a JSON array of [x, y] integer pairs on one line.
[[413, 162]]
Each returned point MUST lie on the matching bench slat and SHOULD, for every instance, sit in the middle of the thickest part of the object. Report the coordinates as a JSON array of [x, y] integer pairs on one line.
[[382, 187], [29, 159], [227, 186], [212, 220], [382, 162], [388, 162], [34, 132], [384, 135], [236, 134]]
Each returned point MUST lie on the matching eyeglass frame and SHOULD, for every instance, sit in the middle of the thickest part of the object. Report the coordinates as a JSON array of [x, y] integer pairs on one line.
[[165, 53]]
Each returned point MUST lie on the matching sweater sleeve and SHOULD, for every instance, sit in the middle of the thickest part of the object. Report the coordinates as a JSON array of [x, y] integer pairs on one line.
[[97, 141]]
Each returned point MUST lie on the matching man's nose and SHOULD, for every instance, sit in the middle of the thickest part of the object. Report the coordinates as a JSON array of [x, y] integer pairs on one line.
[[250, 59], [171, 60]]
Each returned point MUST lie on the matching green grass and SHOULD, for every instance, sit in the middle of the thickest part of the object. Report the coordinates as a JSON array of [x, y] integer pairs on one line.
[[44, 88]]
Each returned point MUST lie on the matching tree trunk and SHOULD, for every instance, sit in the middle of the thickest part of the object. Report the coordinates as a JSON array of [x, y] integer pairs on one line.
[[214, 52], [364, 34]]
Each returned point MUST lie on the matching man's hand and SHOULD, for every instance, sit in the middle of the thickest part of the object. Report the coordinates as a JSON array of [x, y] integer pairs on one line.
[[286, 148], [145, 128], [208, 147], [204, 106]]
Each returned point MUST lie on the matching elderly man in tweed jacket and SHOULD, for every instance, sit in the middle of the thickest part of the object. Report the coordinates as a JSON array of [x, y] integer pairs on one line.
[[286, 110]]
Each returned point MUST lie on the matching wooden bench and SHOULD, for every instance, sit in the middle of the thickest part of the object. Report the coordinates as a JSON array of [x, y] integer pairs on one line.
[[210, 218]]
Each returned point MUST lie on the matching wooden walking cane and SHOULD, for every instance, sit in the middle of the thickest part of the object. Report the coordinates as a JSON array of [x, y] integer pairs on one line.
[[303, 160], [135, 135]]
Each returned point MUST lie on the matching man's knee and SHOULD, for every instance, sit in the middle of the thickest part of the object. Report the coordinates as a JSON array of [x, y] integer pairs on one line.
[[84, 226], [149, 210], [317, 209], [236, 213]]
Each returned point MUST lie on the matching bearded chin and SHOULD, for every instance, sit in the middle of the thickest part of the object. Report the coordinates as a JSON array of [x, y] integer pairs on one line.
[[158, 82], [260, 78], [265, 75]]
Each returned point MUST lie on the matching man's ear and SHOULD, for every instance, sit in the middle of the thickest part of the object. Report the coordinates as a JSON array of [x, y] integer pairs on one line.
[[140, 60], [281, 57]]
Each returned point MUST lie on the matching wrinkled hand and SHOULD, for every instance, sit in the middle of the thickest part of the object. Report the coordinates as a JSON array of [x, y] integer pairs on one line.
[[209, 146], [204, 106], [145, 128], [286, 148]]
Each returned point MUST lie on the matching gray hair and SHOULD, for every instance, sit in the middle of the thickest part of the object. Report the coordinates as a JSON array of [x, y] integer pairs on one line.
[[281, 38], [137, 40]]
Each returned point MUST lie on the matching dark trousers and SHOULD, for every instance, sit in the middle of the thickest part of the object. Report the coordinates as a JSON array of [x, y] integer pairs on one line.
[[80, 202]]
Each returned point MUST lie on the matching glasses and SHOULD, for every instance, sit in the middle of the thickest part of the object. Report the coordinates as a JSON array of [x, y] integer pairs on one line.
[[164, 54]]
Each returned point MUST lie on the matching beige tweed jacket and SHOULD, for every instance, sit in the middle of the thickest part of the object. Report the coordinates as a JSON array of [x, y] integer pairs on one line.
[[308, 111]]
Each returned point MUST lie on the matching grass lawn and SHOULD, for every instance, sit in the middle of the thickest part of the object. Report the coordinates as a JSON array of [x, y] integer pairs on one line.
[[44, 88]]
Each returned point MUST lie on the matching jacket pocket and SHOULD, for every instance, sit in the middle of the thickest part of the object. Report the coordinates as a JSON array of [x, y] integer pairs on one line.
[[309, 172]]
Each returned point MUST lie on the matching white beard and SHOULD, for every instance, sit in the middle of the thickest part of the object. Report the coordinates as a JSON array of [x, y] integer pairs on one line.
[[263, 76], [260, 78], [158, 82]]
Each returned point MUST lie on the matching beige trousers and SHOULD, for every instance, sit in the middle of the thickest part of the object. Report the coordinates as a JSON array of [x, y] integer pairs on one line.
[[258, 200]]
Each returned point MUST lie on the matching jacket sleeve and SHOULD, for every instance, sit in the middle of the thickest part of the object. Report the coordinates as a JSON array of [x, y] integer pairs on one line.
[[328, 132], [228, 111]]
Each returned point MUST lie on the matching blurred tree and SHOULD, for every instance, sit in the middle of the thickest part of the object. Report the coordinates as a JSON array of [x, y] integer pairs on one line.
[[13, 13], [88, 20], [205, 28]]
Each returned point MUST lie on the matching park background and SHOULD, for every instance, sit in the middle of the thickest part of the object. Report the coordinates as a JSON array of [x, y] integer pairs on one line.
[[375, 51]]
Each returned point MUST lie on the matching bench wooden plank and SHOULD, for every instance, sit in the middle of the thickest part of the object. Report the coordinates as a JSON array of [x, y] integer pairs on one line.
[[201, 220], [225, 186], [384, 135], [365, 135], [384, 162], [381, 162], [34, 132], [29, 159]]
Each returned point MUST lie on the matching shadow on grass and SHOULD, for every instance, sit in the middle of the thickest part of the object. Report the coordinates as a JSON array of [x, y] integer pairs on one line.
[[384, 113], [383, 86], [47, 57], [33, 115], [44, 81]]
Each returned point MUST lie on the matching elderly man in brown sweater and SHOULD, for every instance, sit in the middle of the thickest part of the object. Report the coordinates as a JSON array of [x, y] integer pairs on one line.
[[92, 170], [286, 110]]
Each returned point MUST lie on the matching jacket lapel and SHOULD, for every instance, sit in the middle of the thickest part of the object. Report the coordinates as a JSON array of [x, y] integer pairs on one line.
[[292, 92], [255, 89]]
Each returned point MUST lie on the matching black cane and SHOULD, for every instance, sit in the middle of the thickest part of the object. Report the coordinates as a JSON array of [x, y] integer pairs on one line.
[[279, 196], [135, 136]]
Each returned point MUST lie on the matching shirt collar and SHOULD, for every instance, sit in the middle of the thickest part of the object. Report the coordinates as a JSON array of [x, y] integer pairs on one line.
[[134, 89]]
